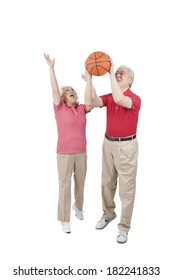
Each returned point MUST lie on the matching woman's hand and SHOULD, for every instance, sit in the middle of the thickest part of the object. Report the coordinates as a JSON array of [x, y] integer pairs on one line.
[[50, 62]]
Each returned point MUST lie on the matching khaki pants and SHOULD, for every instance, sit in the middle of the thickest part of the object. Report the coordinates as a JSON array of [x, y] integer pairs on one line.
[[69, 164], [119, 161]]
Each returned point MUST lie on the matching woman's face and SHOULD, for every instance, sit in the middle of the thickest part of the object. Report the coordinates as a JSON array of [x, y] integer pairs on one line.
[[69, 96]]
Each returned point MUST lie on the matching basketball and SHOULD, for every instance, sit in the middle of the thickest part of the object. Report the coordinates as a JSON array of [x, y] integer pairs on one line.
[[98, 63]]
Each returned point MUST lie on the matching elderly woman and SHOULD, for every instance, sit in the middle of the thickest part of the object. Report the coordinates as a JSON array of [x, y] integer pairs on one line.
[[71, 147]]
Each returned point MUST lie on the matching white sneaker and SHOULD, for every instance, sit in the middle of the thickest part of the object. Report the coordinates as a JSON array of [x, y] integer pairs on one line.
[[103, 223], [78, 213], [66, 227], [122, 237]]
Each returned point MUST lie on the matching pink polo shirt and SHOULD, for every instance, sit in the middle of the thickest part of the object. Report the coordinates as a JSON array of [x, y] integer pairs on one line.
[[71, 127]]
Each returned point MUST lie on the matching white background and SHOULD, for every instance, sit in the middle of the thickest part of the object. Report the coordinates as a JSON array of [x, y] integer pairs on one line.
[[135, 33]]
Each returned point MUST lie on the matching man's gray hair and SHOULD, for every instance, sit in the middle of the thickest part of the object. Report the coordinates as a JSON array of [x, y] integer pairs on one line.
[[131, 73]]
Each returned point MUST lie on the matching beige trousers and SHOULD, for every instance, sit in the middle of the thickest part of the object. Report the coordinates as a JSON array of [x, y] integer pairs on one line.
[[119, 162], [68, 165]]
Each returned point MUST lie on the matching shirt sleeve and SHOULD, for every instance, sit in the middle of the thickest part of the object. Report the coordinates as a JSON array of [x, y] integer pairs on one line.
[[104, 99], [85, 108], [58, 107], [136, 102]]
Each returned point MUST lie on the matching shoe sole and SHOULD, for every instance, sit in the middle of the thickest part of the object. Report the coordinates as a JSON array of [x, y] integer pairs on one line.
[[66, 231], [106, 224], [121, 242], [78, 218]]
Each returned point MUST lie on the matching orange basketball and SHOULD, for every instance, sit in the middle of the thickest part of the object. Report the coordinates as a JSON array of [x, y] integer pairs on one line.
[[98, 63]]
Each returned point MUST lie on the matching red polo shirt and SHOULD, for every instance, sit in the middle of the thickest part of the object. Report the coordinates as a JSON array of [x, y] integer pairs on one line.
[[121, 121]]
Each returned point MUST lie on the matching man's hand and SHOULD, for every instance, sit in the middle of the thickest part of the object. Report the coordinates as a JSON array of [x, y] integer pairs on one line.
[[111, 72]]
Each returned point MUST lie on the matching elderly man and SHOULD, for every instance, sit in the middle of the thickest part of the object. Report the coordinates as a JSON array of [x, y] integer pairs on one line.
[[120, 147]]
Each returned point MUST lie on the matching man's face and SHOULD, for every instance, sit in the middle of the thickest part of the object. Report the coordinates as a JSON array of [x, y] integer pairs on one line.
[[123, 78]]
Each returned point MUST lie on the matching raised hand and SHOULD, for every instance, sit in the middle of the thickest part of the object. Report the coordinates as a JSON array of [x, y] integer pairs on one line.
[[83, 77], [50, 62], [53, 79], [112, 67], [86, 76]]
